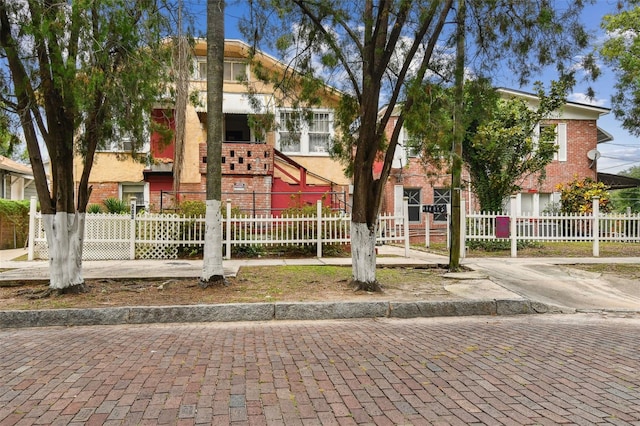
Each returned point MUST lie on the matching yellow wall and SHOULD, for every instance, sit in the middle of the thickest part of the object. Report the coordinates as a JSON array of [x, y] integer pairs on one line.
[[108, 168]]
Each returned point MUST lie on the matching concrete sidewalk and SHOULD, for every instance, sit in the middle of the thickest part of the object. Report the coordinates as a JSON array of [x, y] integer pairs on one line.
[[181, 268], [493, 287]]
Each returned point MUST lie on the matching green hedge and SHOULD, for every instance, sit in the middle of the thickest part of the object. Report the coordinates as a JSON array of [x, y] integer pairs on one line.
[[14, 223]]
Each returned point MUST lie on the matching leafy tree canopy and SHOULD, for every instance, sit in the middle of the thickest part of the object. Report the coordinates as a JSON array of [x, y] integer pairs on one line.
[[622, 51], [79, 75]]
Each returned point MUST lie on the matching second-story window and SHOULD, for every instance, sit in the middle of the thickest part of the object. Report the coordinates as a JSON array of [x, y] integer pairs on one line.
[[299, 137], [290, 134], [201, 71], [234, 71]]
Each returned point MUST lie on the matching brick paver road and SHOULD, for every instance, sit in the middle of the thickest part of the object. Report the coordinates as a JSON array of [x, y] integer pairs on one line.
[[543, 369]]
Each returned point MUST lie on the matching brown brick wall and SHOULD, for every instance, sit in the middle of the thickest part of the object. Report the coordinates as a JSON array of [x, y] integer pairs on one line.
[[249, 193], [103, 190], [582, 136]]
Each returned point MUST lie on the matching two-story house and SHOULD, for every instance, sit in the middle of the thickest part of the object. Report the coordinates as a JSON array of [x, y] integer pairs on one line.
[[577, 139], [262, 171]]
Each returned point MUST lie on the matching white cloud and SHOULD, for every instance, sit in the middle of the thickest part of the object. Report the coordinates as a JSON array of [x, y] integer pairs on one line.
[[583, 98]]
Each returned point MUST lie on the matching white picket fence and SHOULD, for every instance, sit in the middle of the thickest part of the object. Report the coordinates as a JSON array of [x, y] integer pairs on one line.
[[595, 227], [557, 227], [161, 236]]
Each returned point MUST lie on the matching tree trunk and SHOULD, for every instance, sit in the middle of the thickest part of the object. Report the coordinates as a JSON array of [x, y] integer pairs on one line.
[[65, 234], [363, 257], [212, 261], [212, 271], [458, 136]]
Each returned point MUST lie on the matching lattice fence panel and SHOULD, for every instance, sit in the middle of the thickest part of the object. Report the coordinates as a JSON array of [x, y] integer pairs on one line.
[[106, 237], [156, 235]]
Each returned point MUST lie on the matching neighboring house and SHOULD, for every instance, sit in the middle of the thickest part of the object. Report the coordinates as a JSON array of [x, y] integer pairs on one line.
[[578, 136], [263, 172], [16, 180]]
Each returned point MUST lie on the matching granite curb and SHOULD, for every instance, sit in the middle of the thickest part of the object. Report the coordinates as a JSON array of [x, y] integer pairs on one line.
[[269, 312]]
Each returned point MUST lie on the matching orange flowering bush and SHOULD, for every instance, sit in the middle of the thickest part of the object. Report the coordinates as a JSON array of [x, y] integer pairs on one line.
[[577, 195]]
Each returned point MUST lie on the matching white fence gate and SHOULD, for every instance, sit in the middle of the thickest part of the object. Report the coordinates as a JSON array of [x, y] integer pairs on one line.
[[160, 236]]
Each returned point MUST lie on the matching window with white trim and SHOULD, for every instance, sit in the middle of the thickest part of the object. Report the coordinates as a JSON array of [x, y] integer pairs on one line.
[[234, 71], [201, 71], [560, 141], [320, 132], [134, 190], [298, 137], [125, 144]]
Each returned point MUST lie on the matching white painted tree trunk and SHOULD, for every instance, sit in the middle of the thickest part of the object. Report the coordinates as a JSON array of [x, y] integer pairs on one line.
[[212, 258], [363, 253], [65, 236]]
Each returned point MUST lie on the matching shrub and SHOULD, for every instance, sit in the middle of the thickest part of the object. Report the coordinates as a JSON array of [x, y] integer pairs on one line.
[[576, 196], [192, 208], [94, 208], [199, 208], [16, 213], [114, 205]]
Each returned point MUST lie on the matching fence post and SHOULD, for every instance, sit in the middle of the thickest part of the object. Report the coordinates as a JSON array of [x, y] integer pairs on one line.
[[132, 230], [33, 205], [448, 226], [228, 232], [405, 223], [463, 228], [319, 228], [513, 229], [427, 241], [596, 226]]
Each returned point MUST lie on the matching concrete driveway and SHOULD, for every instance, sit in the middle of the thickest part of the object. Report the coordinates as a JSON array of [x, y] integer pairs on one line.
[[553, 281]]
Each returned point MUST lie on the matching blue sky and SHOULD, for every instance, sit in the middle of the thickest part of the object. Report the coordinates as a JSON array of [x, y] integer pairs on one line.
[[620, 154]]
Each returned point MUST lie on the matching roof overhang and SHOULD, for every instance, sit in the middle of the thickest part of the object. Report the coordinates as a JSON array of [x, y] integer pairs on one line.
[[604, 136], [15, 169], [570, 110], [235, 103], [617, 181]]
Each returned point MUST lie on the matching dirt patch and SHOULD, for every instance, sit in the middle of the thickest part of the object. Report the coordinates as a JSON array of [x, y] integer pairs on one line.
[[251, 285]]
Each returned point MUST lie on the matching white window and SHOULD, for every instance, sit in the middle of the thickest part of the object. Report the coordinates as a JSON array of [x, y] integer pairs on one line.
[[134, 190], [320, 132], [234, 71], [561, 140], [298, 137], [201, 71], [125, 144]]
